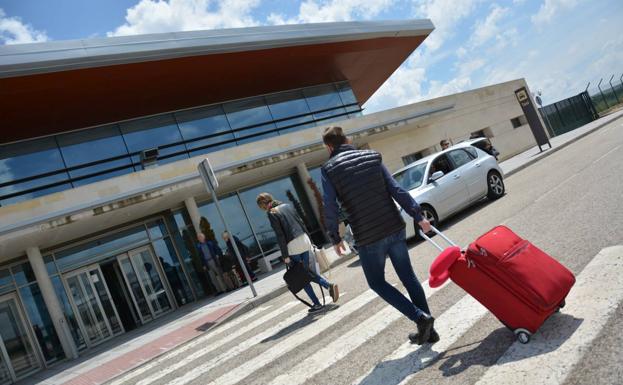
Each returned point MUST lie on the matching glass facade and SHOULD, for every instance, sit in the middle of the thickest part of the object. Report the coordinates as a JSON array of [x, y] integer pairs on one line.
[[38, 167], [246, 220]]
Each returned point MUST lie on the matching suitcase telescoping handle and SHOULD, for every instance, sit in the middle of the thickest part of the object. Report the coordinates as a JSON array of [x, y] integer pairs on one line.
[[433, 242]]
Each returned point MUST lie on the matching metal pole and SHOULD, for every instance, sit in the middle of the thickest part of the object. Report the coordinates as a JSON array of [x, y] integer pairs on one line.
[[233, 242], [586, 89], [611, 87], [602, 94]]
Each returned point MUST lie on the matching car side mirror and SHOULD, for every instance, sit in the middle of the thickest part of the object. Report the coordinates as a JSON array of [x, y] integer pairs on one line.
[[436, 175]]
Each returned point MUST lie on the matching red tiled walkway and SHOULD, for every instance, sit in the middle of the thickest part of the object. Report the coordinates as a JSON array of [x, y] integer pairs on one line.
[[124, 363]]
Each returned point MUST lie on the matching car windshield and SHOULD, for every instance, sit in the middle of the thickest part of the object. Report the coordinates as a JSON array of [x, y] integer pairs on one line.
[[412, 177]]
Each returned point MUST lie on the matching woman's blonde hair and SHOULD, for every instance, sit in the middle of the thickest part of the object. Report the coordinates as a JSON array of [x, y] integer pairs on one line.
[[264, 199]]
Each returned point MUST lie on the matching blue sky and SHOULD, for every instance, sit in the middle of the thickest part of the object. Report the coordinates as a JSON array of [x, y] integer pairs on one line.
[[557, 45]]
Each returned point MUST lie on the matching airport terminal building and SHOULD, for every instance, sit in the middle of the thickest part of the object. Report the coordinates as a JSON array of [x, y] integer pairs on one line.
[[100, 199]]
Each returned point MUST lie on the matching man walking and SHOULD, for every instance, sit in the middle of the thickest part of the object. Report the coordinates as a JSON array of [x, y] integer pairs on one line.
[[244, 252], [209, 252], [366, 192]]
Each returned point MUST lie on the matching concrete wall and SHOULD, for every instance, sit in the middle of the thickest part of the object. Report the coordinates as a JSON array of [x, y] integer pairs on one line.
[[490, 108]]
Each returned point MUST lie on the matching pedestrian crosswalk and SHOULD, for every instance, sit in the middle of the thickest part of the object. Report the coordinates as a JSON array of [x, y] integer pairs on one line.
[[282, 344]]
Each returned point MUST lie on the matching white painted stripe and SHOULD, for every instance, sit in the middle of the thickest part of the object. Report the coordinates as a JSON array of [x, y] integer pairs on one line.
[[211, 346], [408, 359], [204, 339], [345, 344], [298, 337], [564, 338]]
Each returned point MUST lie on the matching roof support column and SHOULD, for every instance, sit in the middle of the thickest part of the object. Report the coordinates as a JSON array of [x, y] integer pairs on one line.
[[193, 212], [52, 302]]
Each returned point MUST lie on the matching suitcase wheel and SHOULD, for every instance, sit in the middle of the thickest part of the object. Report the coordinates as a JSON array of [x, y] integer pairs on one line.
[[522, 335], [561, 305]]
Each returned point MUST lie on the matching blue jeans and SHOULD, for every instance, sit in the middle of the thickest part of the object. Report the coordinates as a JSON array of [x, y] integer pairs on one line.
[[304, 257], [373, 258]]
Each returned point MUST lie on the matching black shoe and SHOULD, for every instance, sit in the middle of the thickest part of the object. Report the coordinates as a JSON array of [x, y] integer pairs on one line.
[[424, 326], [315, 309], [434, 337]]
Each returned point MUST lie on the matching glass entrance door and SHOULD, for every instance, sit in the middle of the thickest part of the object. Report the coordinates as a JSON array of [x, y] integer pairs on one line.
[[96, 312], [17, 355], [146, 284]]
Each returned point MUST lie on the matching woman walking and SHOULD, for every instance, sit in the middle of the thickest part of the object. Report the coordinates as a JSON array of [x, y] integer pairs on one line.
[[294, 243]]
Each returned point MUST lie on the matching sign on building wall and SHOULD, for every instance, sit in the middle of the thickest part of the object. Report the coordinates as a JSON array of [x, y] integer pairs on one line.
[[531, 116]]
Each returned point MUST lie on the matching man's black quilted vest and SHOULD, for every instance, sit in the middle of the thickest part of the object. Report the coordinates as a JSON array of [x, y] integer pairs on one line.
[[361, 190]]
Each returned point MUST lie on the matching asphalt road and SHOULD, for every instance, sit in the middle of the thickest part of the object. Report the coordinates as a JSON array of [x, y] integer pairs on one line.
[[570, 204]]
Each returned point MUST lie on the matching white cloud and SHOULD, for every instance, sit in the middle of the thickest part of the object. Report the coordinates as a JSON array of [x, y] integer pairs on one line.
[[14, 31], [445, 15], [318, 11], [489, 28], [549, 8], [154, 16]]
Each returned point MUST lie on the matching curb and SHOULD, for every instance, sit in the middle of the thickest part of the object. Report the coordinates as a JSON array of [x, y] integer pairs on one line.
[[550, 151]]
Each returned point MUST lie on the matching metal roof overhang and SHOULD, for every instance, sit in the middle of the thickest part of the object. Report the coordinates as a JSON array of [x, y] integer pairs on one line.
[[53, 87]]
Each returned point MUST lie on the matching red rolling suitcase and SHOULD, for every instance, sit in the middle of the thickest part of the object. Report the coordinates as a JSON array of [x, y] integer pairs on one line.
[[519, 283]]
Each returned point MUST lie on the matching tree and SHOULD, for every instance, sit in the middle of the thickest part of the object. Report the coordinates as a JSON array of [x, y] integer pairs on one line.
[[206, 229]]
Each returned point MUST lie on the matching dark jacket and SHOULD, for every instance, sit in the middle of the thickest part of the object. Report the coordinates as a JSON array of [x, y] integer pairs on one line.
[[214, 250], [287, 225], [244, 250], [364, 187]]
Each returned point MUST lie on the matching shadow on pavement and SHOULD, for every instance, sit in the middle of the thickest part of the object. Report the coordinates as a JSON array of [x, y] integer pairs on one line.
[[550, 337]]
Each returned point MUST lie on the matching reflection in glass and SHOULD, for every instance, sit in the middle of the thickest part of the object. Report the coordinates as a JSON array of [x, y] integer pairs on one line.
[[283, 190], [5, 278], [23, 274], [102, 294], [324, 97], [185, 244], [84, 312], [93, 145], [135, 288], [16, 341], [165, 252], [248, 112], [237, 222], [76, 333], [157, 229], [26, 159], [153, 132], [41, 323], [87, 253], [149, 278], [202, 122]]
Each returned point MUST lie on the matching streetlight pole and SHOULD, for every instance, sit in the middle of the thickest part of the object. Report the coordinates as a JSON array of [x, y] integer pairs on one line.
[[211, 183]]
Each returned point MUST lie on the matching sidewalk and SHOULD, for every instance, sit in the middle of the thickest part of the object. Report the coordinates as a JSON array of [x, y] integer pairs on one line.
[[526, 158], [134, 348]]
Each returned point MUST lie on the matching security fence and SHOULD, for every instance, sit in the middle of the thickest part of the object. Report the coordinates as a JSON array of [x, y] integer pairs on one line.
[[571, 113]]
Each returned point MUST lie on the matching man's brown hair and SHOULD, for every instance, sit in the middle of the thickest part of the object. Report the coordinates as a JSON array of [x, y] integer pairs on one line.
[[333, 136]]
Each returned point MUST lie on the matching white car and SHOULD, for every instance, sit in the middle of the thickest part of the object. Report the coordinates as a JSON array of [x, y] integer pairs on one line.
[[448, 181]]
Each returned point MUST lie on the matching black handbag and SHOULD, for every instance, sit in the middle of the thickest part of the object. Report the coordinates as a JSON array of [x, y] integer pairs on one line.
[[296, 277]]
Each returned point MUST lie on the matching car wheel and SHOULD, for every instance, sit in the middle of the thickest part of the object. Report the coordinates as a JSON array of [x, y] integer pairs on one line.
[[430, 215], [495, 185]]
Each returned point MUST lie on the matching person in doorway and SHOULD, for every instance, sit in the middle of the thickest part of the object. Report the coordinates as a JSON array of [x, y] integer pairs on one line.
[[244, 252], [444, 144], [210, 252], [294, 243], [366, 191], [228, 266]]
